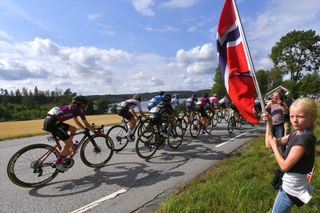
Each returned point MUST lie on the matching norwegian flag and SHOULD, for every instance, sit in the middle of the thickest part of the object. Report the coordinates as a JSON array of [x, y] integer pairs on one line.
[[234, 62]]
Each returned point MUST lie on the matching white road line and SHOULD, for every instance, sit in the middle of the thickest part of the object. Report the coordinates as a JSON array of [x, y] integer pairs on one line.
[[232, 139], [98, 202]]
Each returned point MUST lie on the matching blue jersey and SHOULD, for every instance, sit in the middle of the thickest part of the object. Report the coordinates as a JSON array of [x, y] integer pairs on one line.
[[155, 101]]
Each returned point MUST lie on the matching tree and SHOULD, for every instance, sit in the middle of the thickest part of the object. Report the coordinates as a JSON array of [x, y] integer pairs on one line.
[[310, 84], [218, 84], [296, 52], [275, 77], [263, 81]]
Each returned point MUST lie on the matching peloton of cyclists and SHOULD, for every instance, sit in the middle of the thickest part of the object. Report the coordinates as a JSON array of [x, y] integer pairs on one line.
[[126, 110]]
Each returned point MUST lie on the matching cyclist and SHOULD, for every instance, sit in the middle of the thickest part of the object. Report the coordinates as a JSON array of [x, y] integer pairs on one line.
[[191, 104], [235, 111], [202, 105], [224, 102], [214, 101], [163, 113], [54, 123], [126, 110], [175, 102], [155, 100]]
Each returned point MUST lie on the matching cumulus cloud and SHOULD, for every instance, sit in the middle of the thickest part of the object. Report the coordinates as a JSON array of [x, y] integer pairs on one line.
[[179, 3], [90, 70], [198, 60], [143, 7]]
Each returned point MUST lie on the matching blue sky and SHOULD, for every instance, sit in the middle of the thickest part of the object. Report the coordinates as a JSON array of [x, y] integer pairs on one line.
[[97, 47]]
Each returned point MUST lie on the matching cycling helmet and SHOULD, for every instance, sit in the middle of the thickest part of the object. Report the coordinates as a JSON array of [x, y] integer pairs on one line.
[[79, 99], [167, 98], [161, 93], [137, 97]]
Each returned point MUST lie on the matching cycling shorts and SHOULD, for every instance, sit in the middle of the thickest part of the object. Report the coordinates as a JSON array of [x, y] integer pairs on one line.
[[124, 112], [58, 129], [202, 111]]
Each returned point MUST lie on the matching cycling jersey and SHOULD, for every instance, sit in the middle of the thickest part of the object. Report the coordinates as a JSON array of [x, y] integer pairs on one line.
[[66, 112], [130, 104], [214, 100], [54, 120], [203, 102], [161, 113], [190, 103], [155, 101], [175, 102]]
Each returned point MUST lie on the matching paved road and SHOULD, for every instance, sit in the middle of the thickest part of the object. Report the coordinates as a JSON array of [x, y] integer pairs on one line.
[[126, 184]]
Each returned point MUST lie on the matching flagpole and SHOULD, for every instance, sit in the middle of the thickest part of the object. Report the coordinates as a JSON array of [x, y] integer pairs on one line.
[[250, 60], [255, 81]]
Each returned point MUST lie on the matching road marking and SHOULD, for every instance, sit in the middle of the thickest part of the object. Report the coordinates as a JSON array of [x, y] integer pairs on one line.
[[98, 202], [232, 139]]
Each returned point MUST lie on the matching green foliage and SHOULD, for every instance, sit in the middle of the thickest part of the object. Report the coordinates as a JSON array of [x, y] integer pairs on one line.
[[263, 80], [297, 51], [218, 86], [310, 84]]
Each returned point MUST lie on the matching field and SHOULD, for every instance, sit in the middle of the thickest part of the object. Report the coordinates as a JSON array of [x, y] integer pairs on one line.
[[19, 129]]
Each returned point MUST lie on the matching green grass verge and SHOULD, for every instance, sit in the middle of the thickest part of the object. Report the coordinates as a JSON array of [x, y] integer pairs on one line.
[[239, 183]]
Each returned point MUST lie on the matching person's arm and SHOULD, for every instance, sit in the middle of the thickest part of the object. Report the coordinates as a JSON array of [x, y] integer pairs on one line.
[[88, 126]]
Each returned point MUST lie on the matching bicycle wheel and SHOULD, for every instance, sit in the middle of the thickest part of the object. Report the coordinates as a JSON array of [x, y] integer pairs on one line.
[[31, 166], [146, 145], [219, 116], [239, 124], [184, 122], [215, 120], [226, 115], [145, 124], [118, 135], [209, 126], [99, 155], [231, 124], [194, 127], [175, 138]]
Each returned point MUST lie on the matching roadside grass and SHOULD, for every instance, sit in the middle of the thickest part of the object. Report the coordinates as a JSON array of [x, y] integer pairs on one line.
[[239, 183], [20, 129]]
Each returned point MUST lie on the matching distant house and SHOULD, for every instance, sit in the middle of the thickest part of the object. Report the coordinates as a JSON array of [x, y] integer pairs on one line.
[[279, 88]]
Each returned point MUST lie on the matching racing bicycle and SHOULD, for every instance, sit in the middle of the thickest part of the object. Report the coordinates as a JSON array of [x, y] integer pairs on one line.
[[153, 138], [34, 165], [118, 133]]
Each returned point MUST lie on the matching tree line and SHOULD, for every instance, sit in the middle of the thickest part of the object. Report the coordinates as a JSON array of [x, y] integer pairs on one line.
[[27, 104]]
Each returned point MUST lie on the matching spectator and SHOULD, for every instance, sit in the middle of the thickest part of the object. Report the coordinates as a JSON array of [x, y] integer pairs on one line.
[[277, 109], [298, 160]]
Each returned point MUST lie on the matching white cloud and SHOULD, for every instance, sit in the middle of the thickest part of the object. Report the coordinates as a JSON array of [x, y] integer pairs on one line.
[[143, 7], [163, 29], [93, 17], [179, 3], [279, 18], [90, 70], [4, 35], [198, 60]]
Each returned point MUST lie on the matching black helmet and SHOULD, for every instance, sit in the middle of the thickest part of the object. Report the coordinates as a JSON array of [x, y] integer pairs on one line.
[[137, 97], [161, 93], [167, 98], [80, 99]]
